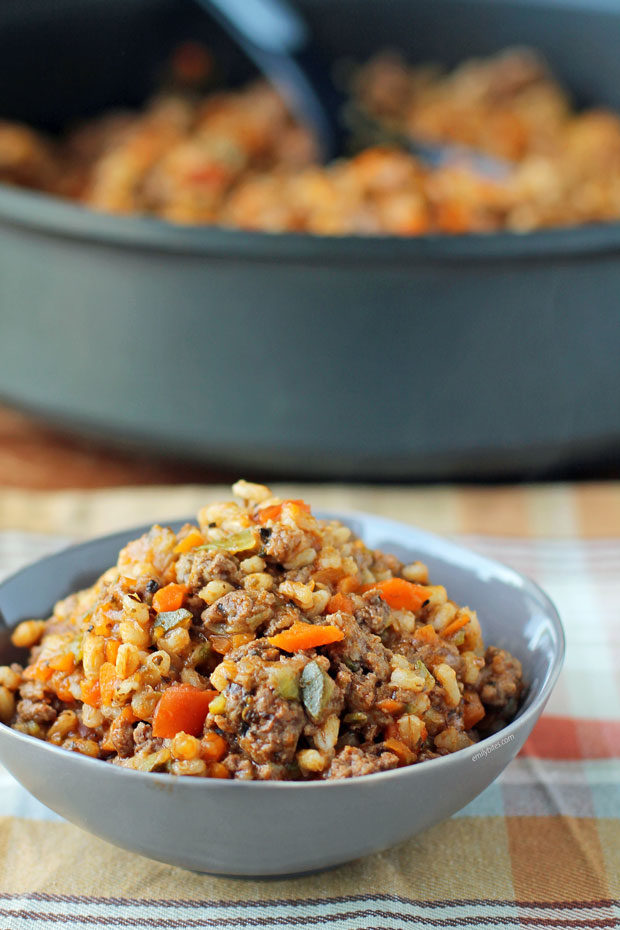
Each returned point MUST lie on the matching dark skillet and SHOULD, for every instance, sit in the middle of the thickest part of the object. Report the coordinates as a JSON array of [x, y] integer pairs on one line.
[[442, 357]]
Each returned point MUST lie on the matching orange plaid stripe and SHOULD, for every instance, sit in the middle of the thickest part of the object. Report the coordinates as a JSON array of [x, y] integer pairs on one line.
[[572, 738]]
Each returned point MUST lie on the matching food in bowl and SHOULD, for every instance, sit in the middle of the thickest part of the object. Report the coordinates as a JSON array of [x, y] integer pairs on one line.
[[263, 644], [238, 159]]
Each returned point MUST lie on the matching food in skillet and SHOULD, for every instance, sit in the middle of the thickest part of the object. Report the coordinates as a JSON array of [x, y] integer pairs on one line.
[[261, 643], [238, 159]]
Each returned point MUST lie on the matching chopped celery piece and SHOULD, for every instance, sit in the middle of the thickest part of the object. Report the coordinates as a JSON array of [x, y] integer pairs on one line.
[[316, 690], [421, 670], [169, 619], [201, 653], [152, 761], [236, 542], [285, 681]]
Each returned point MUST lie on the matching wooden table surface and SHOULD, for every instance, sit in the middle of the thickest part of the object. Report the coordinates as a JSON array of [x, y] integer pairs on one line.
[[33, 455]]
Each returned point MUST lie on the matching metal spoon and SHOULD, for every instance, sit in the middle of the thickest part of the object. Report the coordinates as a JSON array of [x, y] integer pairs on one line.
[[277, 39]]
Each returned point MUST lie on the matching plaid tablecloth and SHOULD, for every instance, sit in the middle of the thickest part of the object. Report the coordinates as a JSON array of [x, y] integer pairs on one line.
[[540, 847]]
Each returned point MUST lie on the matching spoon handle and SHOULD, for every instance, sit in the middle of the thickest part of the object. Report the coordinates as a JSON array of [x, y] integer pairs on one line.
[[277, 39]]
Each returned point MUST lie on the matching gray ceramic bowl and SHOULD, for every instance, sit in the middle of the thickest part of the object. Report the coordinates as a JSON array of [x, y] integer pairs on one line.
[[258, 828]]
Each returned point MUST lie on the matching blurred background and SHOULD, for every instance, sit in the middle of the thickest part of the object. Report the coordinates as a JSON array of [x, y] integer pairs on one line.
[[187, 293]]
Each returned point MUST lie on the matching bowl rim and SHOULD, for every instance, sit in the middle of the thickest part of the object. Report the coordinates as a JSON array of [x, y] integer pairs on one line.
[[531, 712], [67, 220]]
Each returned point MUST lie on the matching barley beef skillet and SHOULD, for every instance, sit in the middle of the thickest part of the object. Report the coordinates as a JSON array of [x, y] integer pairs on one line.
[[238, 159], [261, 643]]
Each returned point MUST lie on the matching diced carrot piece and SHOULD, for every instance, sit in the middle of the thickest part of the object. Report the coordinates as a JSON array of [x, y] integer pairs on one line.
[[454, 217], [240, 639], [104, 619], [181, 708], [306, 636], [395, 708], [194, 538], [426, 633], [213, 747], [212, 174], [107, 682], [111, 650], [348, 585], [391, 730], [103, 628], [63, 663], [416, 223], [295, 510], [40, 671], [64, 691], [274, 512], [473, 710], [269, 513], [91, 692], [400, 749], [169, 598], [399, 594], [191, 63], [217, 770], [339, 602], [302, 505], [455, 626]]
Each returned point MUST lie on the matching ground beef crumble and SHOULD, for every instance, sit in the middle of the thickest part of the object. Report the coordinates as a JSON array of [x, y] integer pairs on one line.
[[352, 761]]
